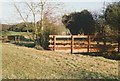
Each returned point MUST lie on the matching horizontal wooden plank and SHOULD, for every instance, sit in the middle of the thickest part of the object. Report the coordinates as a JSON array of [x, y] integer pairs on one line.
[[82, 46], [60, 45], [60, 36], [76, 36], [93, 36], [63, 48], [60, 41], [68, 36], [68, 45], [50, 36], [80, 36], [68, 41], [80, 49]]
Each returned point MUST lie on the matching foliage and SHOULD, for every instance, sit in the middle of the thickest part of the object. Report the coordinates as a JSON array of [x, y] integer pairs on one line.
[[4, 27], [49, 29], [21, 27], [26, 44], [104, 29], [99, 25], [79, 22], [112, 17], [12, 33]]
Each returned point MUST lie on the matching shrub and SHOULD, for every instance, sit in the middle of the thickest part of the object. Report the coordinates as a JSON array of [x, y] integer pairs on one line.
[[38, 47], [48, 30]]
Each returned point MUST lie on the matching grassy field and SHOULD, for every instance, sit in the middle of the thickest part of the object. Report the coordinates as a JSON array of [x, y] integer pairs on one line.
[[28, 63]]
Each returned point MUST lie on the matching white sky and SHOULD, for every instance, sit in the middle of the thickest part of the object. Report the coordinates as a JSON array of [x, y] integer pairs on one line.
[[8, 14], [59, 0]]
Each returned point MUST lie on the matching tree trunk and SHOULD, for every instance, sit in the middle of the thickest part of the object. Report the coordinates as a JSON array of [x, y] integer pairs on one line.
[[118, 45], [118, 38]]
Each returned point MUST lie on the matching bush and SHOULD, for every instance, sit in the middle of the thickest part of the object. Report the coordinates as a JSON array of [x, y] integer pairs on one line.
[[44, 34], [38, 47]]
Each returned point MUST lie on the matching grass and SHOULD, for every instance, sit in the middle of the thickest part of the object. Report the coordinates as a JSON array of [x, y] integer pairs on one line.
[[26, 44], [108, 55], [12, 33], [28, 63]]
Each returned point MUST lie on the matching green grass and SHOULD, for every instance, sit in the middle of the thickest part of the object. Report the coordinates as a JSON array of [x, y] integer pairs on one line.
[[26, 44], [28, 63], [12, 33]]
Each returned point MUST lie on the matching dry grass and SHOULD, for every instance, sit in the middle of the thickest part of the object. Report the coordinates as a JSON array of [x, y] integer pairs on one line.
[[28, 63]]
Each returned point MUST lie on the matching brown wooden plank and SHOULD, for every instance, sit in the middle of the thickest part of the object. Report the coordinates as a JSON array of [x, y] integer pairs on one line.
[[75, 36], [77, 47], [69, 46], [68, 36], [60, 36], [51, 36], [60, 45], [72, 44], [68, 41], [88, 48], [80, 36], [54, 47]]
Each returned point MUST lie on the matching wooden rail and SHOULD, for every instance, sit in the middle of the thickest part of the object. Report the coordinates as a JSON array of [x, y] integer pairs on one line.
[[77, 42]]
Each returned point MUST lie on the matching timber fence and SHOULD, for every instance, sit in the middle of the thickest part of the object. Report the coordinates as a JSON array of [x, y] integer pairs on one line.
[[81, 43]]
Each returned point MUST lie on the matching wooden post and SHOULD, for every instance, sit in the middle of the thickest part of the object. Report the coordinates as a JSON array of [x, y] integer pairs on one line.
[[97, 42], [15, 39], [104, 44], [19, 39], [54, 46], [118, 45], [88, 48], [72, 44], [119, 40]]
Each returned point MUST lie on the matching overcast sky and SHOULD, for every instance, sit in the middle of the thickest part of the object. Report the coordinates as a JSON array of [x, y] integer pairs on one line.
[[8, 14]]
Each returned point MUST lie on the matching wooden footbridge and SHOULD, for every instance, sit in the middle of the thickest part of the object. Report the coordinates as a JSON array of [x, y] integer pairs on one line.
[[80, 43]]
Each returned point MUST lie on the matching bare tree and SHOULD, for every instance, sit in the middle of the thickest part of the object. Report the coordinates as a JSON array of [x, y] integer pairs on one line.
[[32, 7], [25, 19], [40, 9], [42, 4]]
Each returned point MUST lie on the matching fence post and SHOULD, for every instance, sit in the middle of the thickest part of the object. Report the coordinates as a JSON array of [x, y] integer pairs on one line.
[[54, 47], [19, 39], [118, 41], [88, 48], [72, 44], [104, 44], [15, 39]]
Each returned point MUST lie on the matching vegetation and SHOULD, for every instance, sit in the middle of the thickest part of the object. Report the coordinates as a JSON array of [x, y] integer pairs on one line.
[[112, 17], [37, 26], [78, 22], [29, 63], [21, 62], [12, 33], [49, 29], [21, 27]]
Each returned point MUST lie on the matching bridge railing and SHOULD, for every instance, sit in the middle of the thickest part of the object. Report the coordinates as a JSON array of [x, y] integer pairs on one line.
[[82, 43]]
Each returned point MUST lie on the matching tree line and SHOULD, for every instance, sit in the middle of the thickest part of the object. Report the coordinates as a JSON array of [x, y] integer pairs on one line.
[[84, 22], [105, 25]]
